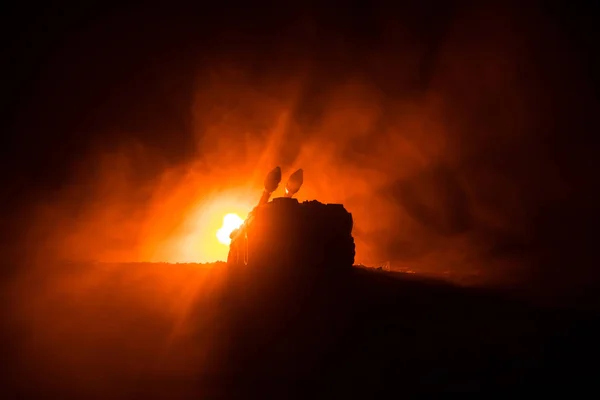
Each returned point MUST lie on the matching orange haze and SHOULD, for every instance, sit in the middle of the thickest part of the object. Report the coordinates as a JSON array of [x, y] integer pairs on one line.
[[435, 178]]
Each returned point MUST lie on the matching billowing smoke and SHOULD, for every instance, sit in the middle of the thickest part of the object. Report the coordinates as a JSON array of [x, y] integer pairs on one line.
[[438, 134], [437, 146]]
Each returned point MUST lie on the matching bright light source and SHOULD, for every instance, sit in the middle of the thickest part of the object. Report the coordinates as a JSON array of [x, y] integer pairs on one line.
[[230, 223]]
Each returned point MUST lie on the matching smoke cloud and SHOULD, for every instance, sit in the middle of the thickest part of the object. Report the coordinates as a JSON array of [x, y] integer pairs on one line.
[[436, 146]]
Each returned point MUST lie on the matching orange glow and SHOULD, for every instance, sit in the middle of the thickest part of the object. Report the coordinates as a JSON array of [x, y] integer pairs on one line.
[[401, 174], [231, 221], [203, 233]]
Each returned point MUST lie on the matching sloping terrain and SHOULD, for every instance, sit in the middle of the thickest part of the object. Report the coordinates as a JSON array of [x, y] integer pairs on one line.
[[201, 331]]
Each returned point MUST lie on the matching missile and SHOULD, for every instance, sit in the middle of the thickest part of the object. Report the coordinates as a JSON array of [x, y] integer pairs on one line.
[[271, 183], [272, 180], [294, 183]]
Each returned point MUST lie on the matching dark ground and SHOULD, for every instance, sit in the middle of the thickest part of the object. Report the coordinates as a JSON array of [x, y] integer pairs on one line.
[[175, 331]]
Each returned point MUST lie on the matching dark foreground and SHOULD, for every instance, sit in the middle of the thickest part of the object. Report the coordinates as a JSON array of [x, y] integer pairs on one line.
[[160, 331]]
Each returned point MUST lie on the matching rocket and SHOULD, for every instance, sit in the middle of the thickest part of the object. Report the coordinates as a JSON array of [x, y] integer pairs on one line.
[[294, 183], [271, 184], [272, 180]]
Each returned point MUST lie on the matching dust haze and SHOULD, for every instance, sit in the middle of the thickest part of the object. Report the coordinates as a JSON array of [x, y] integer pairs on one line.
[[438, 147], [441, 158]]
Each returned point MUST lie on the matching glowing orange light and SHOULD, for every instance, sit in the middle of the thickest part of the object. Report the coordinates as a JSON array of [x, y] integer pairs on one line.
[[230, 222]]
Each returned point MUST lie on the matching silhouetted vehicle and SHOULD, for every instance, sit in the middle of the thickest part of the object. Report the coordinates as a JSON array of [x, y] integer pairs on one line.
[[285, 231]]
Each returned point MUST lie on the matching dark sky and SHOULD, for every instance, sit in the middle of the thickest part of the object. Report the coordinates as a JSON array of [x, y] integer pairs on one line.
[[82, 80], [110, 67]]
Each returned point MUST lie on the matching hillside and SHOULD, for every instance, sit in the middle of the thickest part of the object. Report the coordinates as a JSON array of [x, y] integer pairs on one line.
[[184, 330]]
